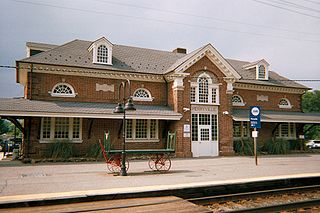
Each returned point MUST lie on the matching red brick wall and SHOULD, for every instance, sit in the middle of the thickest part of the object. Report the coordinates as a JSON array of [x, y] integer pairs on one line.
[[85, 87], [250, 98]]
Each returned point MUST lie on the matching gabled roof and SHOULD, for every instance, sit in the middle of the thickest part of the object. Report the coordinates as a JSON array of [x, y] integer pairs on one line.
[[252, 64], [149, 61], [100, 40]]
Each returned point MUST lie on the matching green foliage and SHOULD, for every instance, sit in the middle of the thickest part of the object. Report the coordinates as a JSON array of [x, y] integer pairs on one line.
[[311, 101], [60, 149], [243, 146], [4, 126], [94, 151], [296, 145], [277, 146]]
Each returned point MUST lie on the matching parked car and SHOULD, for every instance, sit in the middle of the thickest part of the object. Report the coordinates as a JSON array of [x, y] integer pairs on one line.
[[313, 144]]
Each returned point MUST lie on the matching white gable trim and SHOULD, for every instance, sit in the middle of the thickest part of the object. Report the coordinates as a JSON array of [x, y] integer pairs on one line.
[[214, 56], [94, 48]]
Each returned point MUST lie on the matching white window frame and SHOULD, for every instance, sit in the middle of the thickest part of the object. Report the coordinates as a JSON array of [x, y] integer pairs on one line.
[[95, 53], [52, 132], [150, 98], [211, 86], [148, 139], [104, 57], [266, 71], [244, 125], [238, 103], [289, 106], [291, 131], [53, 94]]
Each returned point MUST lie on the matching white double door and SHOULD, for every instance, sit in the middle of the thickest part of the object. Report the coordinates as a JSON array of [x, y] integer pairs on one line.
[[204, 135]]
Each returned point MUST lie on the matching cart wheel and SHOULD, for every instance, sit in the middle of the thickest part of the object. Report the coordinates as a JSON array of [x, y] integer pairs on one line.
[[163, 163], [114, 165], [152, 163]]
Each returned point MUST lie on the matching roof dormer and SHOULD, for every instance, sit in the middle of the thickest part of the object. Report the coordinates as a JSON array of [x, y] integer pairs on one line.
[[101, 51], [261, 68]]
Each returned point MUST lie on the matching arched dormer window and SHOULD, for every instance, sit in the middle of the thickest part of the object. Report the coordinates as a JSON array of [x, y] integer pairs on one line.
[[102, 54], [204, 91], [284, 104], [237, 100], [142, 94], [101, 51], [262, 72], [62, 90]]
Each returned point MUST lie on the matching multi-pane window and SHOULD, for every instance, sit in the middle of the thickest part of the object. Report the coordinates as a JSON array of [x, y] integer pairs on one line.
[[262, 72], [203, 90], [286, 130], [129, 129], [194, 125], [284, 103], [237, 100], [46, 126], [141, 129], [63, 90], [241, 129], [214, 127], [201, 125], [142, 95], [192, 94], [102, 54], [61, 128]]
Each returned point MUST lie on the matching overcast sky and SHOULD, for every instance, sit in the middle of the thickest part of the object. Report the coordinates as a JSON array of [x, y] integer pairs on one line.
[[284, 33]]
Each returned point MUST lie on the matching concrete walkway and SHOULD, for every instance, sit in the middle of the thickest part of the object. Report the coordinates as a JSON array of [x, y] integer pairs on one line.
[[23, 182]]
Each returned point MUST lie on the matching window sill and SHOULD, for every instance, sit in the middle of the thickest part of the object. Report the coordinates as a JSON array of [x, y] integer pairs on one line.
[[58, 140], [142, 140], [285, 107], [198, 103]]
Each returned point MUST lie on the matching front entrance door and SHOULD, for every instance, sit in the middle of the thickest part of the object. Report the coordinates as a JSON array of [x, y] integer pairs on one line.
[[204, 135]]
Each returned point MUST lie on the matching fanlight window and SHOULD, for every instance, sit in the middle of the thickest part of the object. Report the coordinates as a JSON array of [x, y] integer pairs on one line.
[[284, 103], [102, 54], [237, 100], [142, 95], [63, 90], [204, 91]]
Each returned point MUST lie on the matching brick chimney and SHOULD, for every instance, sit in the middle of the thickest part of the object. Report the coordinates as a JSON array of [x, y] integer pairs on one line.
[[180, 50]]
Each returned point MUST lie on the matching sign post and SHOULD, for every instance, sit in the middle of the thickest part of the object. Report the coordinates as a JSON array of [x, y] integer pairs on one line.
[[255, 123]]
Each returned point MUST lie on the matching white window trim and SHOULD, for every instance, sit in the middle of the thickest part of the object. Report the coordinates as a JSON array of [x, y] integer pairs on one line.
[[141, 98], [238, 104], [63, 95], [289, 106], [95, 53], [291, 135], [266, 70], [52, 129], [148, 139], [210, 87]]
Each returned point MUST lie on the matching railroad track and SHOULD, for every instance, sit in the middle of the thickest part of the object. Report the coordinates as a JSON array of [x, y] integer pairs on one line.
[[255, 201]]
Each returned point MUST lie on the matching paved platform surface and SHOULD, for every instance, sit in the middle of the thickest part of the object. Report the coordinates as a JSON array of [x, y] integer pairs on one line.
[[20, 182]]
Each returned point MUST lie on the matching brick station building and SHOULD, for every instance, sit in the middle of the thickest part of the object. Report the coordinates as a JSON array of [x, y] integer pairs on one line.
[[71, 91]]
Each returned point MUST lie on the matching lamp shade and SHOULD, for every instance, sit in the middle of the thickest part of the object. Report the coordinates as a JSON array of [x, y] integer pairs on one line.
[[129, 105], [119, 109]]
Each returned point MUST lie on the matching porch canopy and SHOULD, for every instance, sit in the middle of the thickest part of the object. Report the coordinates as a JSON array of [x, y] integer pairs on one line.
[[34, 108], [278, 116]]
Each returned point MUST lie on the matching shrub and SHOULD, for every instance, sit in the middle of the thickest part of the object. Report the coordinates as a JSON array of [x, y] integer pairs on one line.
[[277, 146], [94, 151], [60, 149], [243, 146]]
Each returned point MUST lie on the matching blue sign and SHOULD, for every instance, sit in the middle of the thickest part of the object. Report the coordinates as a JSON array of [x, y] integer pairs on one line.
[[255, 113]]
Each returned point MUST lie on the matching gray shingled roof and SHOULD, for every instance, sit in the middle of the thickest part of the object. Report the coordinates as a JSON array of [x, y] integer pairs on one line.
[[25, 107], [142, 60]]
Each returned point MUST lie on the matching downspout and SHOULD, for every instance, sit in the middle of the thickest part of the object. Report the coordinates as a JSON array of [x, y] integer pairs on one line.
[[30, 84], [166, 94]]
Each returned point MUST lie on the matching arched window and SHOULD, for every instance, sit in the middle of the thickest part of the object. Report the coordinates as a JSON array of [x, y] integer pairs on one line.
[[262, 72], [237, 100], [142, 94], [102, 54], [63, 90], [203, 89], [285, 103]]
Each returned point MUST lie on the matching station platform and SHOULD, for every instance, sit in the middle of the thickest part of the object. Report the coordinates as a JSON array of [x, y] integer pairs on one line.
[[62, 181]]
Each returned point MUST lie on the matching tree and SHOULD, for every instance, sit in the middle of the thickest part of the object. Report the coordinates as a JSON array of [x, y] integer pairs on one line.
[[311, 103], [4, 126]]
